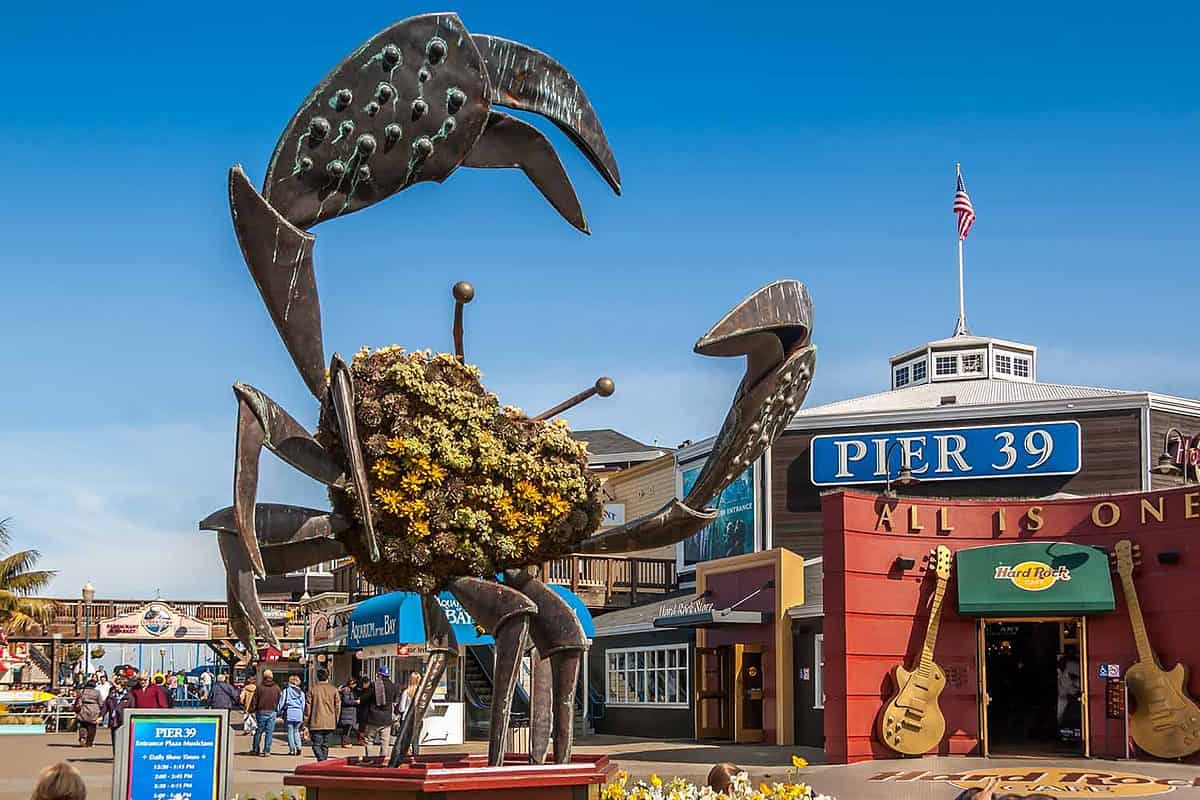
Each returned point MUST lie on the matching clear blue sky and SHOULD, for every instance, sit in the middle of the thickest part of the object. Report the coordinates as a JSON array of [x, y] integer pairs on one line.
[[791, 140]]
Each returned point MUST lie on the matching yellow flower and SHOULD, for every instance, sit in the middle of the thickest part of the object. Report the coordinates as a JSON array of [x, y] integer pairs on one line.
[[798, 762], [390, 500], [419, 528], [396, 445], [412, 482], [762, 787], [384, 468], [655, 781]]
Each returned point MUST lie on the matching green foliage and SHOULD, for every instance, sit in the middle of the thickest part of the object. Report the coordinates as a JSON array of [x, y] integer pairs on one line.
[[20, 612], [73, 654], [460, 485]]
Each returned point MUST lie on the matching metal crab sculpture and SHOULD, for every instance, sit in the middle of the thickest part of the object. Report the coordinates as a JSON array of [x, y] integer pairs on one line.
[[412, 104]]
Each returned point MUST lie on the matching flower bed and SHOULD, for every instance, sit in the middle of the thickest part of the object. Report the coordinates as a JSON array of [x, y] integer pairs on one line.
[[740, 788]]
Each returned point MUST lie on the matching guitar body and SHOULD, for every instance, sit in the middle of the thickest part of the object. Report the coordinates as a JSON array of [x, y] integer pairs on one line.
[[1167, 721], [912, 723]]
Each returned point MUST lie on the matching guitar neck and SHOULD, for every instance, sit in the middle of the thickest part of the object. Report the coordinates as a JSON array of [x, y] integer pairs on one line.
[[931, 631], [1140, 637]]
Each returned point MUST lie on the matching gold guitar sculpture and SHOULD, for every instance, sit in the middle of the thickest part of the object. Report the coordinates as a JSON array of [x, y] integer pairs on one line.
[[912, 723], [1167, 721]]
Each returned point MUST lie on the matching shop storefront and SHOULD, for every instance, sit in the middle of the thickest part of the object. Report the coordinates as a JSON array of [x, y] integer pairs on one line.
[[1008, 628]]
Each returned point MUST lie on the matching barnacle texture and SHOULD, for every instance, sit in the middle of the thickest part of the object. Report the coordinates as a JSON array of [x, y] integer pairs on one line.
[[459, 484]]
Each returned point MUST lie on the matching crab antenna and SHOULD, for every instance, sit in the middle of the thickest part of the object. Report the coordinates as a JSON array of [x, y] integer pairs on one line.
[[463, 294], [603, 387]]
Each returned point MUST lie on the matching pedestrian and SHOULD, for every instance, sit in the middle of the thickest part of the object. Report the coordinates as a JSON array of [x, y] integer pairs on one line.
[[720, 777], [364, 689], [87, 713], [103, 686], [264, 705], [160, 688], [381, 704], [222, 695], [291, 708], [407, 699], [59, 781], [147, 695], [246, 699], [119, 698], [348, 718], [322, 714], [206, 685]]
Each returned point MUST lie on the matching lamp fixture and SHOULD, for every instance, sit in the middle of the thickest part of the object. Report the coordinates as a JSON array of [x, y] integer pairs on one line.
[[905, 478], [1166, 465]]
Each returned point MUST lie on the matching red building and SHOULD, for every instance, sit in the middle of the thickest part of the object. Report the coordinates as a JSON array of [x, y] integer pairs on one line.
[[1033, 599]]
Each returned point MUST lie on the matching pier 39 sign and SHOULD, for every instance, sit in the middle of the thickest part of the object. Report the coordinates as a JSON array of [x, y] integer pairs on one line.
[[948, 454]]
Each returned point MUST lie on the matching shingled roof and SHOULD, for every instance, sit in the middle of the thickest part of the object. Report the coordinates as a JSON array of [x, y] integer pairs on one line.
[[603, 441]]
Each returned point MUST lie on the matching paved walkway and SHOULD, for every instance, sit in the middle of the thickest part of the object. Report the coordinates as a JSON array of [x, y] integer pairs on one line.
[[22, 757]]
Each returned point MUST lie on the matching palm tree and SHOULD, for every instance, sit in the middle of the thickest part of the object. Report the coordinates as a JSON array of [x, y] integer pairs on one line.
[[19, 612]]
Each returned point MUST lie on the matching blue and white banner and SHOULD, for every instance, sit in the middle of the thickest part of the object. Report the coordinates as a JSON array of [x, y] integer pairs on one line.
[[948, 454]]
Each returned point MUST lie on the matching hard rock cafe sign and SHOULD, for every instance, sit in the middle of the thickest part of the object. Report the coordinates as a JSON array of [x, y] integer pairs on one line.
[[1075, 781], [155, 621], [1032, 576]]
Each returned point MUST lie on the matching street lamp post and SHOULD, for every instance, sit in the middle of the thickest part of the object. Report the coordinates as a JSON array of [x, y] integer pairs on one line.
[[304, 600], [89, 594], [162, 660], [1166, 465], [905, 476]]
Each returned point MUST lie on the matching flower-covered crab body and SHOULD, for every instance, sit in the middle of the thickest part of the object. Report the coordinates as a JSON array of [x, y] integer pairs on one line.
[[458, 484]]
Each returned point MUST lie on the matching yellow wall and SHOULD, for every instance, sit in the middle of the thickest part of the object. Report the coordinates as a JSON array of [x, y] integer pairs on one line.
[[643, 489]]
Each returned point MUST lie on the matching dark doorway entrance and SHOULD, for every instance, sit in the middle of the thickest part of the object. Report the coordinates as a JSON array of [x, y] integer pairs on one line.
[[1033, 687], [714, 685]]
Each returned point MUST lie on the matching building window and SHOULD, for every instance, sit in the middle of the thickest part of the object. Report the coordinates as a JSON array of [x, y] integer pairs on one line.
[[1021, 367], [919, 371], [902, 377], [819, 671], [945, 365], [647, 676], [972, 363], [1004, 364]]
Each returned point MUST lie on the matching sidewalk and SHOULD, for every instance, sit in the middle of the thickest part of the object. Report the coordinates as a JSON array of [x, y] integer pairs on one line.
[[910, 779]]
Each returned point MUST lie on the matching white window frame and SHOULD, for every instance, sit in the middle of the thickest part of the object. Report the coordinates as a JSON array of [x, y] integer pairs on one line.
[[997, 361], [962, 363], [818, 671], [937, 367], [904, 372], [1027, 363], [924, 371], [683, 668]]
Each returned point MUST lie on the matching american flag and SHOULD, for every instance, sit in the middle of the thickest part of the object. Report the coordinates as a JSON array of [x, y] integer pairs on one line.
[[964, 209]]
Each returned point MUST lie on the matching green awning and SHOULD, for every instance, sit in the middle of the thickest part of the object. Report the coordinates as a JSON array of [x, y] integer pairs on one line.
[[1028, 579]]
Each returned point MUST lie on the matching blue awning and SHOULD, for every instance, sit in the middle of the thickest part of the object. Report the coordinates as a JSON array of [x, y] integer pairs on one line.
[[395, 618]]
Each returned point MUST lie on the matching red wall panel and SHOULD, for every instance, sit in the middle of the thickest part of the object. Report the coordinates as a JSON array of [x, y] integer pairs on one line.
[[876, 615]]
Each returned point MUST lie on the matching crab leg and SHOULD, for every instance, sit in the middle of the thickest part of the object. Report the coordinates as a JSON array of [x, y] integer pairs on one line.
[[439, 638], [293, 538], [561, 640], [509, 142], [279, 256], [263, 423], [772, 328], [506, 613], [341, 390]]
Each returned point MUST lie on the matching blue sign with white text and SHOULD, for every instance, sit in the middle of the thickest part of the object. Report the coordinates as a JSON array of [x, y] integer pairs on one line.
[[174, 757], [947, 454]]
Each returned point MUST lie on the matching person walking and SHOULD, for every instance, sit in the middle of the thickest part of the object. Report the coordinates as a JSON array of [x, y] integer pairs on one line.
[[381, 704], [103, 686], [407, 698], [119, 698], [322, 714], [348, 717], [160, 688], [291, 708], [87, 713], [265, 704], [246, 699], [363, 691], [147, 694]]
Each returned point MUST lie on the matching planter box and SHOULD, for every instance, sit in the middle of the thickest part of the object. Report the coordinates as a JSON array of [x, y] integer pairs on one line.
[[452, 777]]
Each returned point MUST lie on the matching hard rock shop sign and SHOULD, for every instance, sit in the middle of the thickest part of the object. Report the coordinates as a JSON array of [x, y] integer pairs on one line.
[[1048, 781]]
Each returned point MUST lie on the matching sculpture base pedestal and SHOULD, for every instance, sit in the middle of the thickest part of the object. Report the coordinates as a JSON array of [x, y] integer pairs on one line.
[[452, 777]]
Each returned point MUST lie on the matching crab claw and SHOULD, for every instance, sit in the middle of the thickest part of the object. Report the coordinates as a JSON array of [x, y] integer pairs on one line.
[[529, 80]]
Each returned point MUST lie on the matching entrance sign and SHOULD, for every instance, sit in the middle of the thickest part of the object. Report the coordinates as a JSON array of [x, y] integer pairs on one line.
[[153, 622], [1032, 578], [732, 533], [948, 454], [172, 754]]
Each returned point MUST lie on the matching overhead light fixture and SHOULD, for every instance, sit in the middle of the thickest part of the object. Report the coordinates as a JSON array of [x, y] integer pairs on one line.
[[905, 478], [1166, 464]]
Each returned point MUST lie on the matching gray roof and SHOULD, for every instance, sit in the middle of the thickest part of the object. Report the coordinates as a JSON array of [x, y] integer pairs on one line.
[[603, 441], [974, 392], [644, 614]]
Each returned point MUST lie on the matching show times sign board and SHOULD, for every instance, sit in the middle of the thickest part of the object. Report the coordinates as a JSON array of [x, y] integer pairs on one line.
[[172, 754], [948, 454]]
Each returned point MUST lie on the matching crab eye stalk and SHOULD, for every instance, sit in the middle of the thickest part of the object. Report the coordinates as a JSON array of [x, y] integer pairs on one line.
[[603, 387], [463, 293]]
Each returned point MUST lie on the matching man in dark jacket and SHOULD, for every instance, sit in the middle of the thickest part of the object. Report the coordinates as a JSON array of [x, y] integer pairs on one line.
[[263, 706], [380, 698], [223, 695], [119, 698]]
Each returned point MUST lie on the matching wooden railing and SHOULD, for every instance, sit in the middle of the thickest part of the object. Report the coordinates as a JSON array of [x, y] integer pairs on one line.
[[602, 581], [70, 615]]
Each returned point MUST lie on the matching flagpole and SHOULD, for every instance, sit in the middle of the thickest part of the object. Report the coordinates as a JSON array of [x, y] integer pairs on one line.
[[961, 327]]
